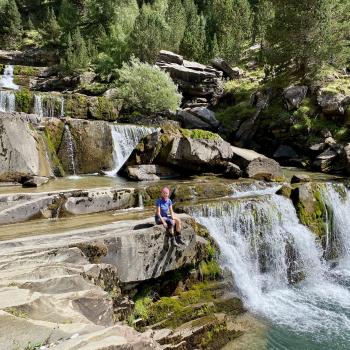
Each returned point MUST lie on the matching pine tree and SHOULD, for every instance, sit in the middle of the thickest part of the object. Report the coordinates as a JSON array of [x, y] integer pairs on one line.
[[194, 39], [231, 21], [68, 17], [51, 32], [301, 38], [76, 54], [11, 24], [176, 19], [149, 34]]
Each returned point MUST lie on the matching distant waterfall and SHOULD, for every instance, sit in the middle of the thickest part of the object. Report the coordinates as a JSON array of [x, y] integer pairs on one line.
[[62, 107], [70, 149], [38, 106], [125, 139], [264, 245], [7, 101], [48, 105], [6, 80]]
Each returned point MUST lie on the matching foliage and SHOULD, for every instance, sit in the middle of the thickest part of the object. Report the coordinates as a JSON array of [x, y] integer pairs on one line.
[[11, 24], [145, 87], [303, 34]]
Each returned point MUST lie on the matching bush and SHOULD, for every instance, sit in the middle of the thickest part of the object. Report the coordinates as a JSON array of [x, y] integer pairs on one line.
[[146, 88]]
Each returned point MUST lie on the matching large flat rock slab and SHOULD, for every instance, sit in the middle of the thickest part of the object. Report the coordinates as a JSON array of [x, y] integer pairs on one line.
[[63, 289]]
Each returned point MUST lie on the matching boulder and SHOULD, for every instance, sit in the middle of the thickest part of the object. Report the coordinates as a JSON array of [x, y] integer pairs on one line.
[[193, 79], [264, 169], [293, 96], [100, 200], [21, 153], [285, 151], [170, 57], [149, 172], [34, 181], [325, 160], [198, 154], [190, 121], [298, 178], [222, 65], [232, 171], [206, 115], [330, 102], [92, 146]]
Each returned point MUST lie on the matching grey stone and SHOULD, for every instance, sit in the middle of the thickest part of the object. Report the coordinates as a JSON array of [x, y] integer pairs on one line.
[[223, 66], [170, 57], [190, 121], [285, 151], [330, 102], [34, 181], [206, 115], [298, 178], [293, 96], [198, 154], [149, 172], [100, 200], [264, 169], [25, 210], [19, 149]]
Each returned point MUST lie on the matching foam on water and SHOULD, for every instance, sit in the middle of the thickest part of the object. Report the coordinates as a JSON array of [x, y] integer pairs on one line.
[[125, 139], [254, 236]]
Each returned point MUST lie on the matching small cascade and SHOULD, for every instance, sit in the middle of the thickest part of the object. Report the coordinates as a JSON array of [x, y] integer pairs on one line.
[[266, 248], [125, 139], [38, 106], [48, 105], [70, 150], [337, 200], [6, 80], [258, 188], [7, 101], [62, 107]]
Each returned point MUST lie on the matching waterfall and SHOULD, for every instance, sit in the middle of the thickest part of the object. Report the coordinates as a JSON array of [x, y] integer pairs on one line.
[[125, 139], [38, 106], [337, 201], [70, 150], [265, 246], [7, 101], [48, 105], [62, 107], [6, 80]]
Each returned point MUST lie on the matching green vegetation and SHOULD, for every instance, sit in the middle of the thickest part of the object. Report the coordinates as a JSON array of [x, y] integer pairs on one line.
[[146, 88], [199, 134]]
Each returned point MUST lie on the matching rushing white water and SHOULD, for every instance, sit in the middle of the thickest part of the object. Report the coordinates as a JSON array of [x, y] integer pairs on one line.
[[48, 105], [62, 107], [70, 150], [6, 80], [125, 139], [337, 199], [7, 101], [264, 245], [38, 106], [259, 188]]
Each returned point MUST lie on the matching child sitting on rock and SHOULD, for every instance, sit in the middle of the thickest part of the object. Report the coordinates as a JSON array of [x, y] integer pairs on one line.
[[165, 216]]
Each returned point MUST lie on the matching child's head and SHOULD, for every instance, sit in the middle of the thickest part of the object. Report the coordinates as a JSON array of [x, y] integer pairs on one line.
[[165, 193]]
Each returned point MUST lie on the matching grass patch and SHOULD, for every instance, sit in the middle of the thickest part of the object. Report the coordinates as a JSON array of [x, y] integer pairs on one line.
[[199, 134]]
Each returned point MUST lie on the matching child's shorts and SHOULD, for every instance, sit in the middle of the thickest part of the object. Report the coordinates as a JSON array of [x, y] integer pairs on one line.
[[167, 219]]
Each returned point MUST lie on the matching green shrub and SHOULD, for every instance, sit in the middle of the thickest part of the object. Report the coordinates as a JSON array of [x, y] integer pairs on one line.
[[146, 88]]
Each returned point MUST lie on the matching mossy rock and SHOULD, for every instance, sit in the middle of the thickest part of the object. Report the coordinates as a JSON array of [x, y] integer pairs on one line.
[[199, 134], [76, 106], [24, 100], [310, 207]]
